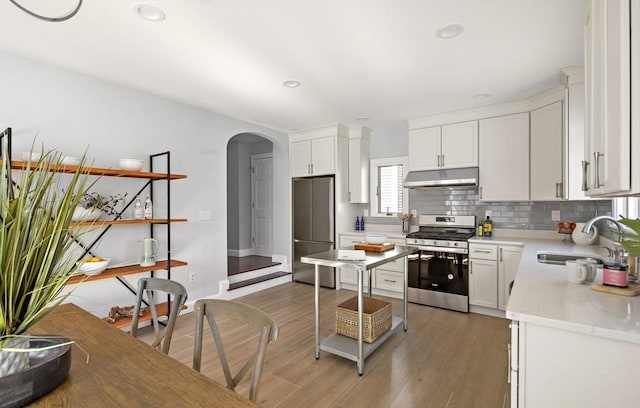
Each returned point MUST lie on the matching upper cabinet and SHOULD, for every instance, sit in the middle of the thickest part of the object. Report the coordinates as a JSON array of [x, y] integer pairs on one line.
[[359, 164], [504, 158], [314, 152], [547, 153], [612, 136], [444, 147]]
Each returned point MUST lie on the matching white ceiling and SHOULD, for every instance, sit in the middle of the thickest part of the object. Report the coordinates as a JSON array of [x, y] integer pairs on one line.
[[376, 59]]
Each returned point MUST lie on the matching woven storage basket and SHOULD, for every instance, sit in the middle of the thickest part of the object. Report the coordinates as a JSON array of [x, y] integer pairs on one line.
[[376, 318]]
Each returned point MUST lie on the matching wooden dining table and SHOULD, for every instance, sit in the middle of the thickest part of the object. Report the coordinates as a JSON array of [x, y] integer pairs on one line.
[[123, 371]]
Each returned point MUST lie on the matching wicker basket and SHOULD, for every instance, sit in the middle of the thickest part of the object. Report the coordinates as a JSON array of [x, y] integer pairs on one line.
[[376, 318]]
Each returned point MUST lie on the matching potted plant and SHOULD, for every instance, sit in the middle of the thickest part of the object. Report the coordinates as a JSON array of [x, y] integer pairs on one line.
[[37, 255], [92, 205]]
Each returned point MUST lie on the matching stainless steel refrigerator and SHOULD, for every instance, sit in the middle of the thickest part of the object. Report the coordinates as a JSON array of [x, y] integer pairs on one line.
[[313, 227]]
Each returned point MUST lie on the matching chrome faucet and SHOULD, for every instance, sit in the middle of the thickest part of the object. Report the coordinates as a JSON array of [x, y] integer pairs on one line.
[[621, 227]]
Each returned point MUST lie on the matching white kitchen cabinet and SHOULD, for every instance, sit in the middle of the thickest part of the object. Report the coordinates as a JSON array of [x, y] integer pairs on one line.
[[504, 158], [608, 90], [552, 367], [547, 153], [444, 147], [386, 280], [359, 164], [313, 157], [483, 275], [508, 261]]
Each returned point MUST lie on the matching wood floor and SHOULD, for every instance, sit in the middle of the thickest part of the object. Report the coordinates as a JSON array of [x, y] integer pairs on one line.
[[445, 359]]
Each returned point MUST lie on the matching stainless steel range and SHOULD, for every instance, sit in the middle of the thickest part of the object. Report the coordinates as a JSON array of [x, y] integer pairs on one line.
[[439, 272]]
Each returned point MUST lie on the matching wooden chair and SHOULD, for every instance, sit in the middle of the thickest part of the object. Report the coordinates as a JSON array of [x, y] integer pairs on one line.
[[214, 308], [148, 286]]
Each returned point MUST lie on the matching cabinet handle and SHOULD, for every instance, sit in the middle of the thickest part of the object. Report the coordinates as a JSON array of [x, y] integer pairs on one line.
[[585, 186], [482, 251], [480, 191], [470, 266], [311, 168], [500, 254], [509, 368], [596, 157], [389, 280], [442, 162], [559, 190]]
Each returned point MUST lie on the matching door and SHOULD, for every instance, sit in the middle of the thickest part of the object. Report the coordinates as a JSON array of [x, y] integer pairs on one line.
[[460, 145], [323, 156], [547, 153], [483, 283], [508, 262], [424, 148], [262, 204], [504, 158], [300, 158]]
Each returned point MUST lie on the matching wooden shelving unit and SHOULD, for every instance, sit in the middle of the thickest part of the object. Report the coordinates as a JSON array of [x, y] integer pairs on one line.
[[120, 271], [161, 308], [126, 270]]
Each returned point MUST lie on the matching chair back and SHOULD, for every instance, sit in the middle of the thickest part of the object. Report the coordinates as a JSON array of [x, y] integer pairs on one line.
[[264, 324], [150, 287]]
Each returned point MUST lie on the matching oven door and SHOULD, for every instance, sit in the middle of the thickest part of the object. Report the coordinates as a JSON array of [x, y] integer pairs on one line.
[[439, 270]]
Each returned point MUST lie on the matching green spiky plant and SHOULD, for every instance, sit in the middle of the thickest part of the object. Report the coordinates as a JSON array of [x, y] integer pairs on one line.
[[631, 242], [37, 255]]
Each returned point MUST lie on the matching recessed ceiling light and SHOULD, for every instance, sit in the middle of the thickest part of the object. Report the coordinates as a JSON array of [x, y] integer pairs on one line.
[[482, 96], [149, 12], [450, 31], [291, 83]]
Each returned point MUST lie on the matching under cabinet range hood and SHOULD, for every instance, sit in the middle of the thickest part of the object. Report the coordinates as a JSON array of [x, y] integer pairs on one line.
[[442, 178]]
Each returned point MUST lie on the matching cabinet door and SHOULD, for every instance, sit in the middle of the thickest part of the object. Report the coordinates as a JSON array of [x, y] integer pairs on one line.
[[460, 145], [483, 283], [547, 153], [504, 158], [576, 136], [359, 170], [424, 148], [508, 262], [323, 156], [608, 95], [300, 158]]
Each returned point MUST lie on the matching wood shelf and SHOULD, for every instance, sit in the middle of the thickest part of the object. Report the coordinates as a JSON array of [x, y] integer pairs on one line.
[[99, 171], [101, 223], [161, 308], [125, 270]]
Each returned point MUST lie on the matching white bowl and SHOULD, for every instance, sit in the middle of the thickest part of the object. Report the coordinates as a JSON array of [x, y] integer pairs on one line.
[[92, 268], [375, 238], [71, 160], [34, 157], [81, 214], [130, 164], [581, 238]]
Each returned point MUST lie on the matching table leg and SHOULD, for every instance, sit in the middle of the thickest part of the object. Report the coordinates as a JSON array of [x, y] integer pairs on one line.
[[369, 274], [405, 290], [317, 302], [360, 322]]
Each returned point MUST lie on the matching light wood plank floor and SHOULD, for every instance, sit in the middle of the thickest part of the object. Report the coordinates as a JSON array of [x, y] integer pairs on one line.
[[445, 359]]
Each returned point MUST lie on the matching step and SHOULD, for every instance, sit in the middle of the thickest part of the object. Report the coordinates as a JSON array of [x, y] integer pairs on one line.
[[258, 279]]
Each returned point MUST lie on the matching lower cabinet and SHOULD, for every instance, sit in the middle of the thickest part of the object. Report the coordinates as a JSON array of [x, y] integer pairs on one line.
[[492, 268], [386, 280], [553, 367]]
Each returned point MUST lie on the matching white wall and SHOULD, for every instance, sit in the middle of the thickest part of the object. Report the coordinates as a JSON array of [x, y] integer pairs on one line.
[[70, 112]]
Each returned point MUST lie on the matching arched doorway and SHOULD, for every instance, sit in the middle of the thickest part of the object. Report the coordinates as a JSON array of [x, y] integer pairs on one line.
[[249, 203]]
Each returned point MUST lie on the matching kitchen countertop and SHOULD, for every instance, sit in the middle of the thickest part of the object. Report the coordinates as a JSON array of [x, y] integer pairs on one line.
[[542, 295]]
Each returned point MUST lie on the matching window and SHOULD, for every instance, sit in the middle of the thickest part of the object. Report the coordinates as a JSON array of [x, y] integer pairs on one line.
[[626, 207], [387, 195]]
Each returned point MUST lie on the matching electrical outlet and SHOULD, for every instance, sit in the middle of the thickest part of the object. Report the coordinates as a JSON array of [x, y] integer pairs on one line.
[[192, 277], [414, 213], [555, 215], [365, 213], [487, 213]]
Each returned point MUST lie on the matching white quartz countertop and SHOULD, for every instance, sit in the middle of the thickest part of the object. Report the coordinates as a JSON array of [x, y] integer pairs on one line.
[[542, 295]]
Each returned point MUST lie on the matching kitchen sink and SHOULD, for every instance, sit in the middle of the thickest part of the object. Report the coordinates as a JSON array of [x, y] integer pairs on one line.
[[557, 258]]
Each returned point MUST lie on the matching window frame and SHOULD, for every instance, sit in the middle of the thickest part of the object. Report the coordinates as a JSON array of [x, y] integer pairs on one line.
[[375, 164]]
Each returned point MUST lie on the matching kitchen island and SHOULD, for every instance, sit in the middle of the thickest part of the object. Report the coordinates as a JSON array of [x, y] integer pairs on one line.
[[343, 346], [571, 346]]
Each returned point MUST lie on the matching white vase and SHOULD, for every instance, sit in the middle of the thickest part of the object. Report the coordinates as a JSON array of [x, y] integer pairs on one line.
[[13, 361], [85, 214]]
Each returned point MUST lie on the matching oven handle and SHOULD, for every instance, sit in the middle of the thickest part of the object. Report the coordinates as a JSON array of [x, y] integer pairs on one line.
[[444, 249]]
